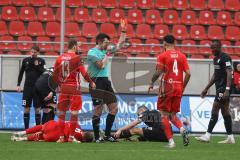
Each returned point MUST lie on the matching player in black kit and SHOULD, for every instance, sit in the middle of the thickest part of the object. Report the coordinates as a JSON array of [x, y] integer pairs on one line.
[[33, 67], [154, 130], [222, 78], [45, 95]]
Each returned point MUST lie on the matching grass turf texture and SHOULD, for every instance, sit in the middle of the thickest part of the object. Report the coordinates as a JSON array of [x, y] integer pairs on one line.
[[113, 151]]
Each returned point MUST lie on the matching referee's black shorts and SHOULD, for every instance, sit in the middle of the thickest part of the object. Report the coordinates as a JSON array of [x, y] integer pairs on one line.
[[103, 94], [154, 134]]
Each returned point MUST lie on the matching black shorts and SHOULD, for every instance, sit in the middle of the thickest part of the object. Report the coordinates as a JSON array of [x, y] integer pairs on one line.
[[154, 134], [41, 93], [29, 97], [103, 94], [219, 96]]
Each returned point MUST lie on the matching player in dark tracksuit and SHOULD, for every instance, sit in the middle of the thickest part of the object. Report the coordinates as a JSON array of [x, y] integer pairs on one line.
[[222, 79], [45, 95], [33, 67], [154, 130]]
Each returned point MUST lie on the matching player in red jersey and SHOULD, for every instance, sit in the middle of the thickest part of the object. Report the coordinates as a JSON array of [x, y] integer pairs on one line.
[[50, 132], [171, 66], [67, 70]]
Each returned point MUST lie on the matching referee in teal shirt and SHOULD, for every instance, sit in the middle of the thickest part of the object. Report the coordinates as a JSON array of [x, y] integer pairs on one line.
[[103, 94]]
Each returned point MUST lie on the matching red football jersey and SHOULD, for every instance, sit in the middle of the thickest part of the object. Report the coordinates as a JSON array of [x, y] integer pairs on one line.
[[236, 77], [77, 133], [173, 63], [67, 68]]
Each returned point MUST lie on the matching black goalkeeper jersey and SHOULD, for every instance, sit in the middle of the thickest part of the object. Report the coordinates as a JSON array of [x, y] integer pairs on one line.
[[221, 63], [44, 82], [33, 68], [151, 118]]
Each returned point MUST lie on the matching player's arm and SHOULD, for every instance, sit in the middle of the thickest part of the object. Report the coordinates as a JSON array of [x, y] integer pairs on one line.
[[155, 77], [186, 78], [229, 77], [122, 37], [20, 75], [86, 76], [127, 127], [210, 83], [101, 63]]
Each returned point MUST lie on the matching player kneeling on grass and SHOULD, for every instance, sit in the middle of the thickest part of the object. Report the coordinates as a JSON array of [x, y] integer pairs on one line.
[[154, 130], [50, 132]]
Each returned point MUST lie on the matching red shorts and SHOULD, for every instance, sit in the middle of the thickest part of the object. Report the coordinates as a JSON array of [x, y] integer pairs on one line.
[[69, 102], [169, 104], [51, 131]]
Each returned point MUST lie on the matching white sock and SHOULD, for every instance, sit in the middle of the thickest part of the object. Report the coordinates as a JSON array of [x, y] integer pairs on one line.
[[231, 136], [208, 134], [181, 130], [171, 140]]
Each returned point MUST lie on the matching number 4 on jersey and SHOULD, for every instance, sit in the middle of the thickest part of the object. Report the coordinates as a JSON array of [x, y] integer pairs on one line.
[[175, 67]]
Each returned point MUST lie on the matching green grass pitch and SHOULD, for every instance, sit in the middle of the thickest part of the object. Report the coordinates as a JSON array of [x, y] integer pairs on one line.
[[118, 151]]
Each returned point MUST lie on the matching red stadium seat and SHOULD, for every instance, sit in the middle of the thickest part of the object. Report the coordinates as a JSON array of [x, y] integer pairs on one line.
[[74, 3], [224, 18], [215, 32], [232, 5], [89, 30], [189, 49], [7, 45], [135, 16], [153, 17], [43, 45], [38, 3], [20, 2], [50, 53], [197, 32], [144, 4], [155, 46], [143, 31], [54, 3], [68, 16], [1, 51], [135, 48], [129, 32], [83, 47], [180, 4], [56, 46], [81, 15], [5, 2], [235, 57], [205, 50], [24, 46], [27, 14], [53, 29], [215, 4], [180, 32], [109, 29], [198, 4], [9, 13], [99, 15], [35, 29], [160, 31], [143, 55], [72, 29], [127, 4], [188, 18], [237, 49], [226, 47], [237, 18], [206, 18], [116, 15], [197, 56], [45, 14], [16, 28], [163, 4], [232, 33], [109, 4], [3, 28], [170, 17], [14, 53], [91, 3]]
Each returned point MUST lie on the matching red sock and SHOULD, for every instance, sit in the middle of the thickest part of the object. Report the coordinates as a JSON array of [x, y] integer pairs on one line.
[[34, 129], [35, 137], [73, 123], [167, 127], [61, 123], [176, 121]]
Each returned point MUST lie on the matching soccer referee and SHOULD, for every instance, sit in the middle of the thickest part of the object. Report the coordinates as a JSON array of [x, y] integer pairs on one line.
[[103, 94], [33, 67]]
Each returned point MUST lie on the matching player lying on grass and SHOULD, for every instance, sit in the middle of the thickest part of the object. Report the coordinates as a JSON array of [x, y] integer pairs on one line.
[[153, 132], [50, 132]]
